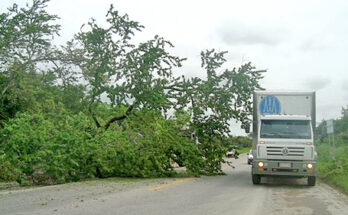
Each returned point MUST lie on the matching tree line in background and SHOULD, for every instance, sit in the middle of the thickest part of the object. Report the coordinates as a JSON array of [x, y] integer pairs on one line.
[[333, 159], [102, 105]]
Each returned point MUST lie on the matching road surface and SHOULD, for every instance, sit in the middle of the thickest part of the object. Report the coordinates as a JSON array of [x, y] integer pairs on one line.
[[230, 194]]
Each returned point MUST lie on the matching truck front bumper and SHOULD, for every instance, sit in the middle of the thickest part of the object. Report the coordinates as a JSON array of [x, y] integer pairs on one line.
[[284, 168]]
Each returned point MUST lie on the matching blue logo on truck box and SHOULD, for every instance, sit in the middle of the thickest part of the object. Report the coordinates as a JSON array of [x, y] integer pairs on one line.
[[269, 105]]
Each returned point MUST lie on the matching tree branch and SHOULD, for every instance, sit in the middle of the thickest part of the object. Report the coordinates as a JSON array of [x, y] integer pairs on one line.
[[3, 91], [96, 121], [174, 88], [117, 118], [93, 116]]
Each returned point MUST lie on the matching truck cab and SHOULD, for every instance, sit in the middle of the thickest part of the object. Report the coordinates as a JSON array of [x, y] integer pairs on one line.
[[284, 142]]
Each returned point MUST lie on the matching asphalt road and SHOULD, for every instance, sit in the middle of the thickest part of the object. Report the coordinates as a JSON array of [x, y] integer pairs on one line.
[[230, 194]]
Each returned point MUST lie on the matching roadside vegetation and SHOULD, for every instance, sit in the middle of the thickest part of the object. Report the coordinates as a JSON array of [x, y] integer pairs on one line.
[[241, 143], [103, 106], [244, 150], [333, 161]]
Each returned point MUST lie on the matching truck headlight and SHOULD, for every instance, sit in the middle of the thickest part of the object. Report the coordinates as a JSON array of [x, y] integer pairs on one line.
[[309, 165], [260, 164]]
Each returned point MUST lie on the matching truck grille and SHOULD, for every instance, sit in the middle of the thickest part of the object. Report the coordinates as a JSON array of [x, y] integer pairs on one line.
[[291, 151]]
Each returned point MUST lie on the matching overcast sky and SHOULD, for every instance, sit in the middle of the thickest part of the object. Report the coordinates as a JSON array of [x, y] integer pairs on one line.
[[302, 44]]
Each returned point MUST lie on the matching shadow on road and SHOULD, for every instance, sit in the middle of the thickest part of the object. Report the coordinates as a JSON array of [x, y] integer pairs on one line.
[[285, 182]]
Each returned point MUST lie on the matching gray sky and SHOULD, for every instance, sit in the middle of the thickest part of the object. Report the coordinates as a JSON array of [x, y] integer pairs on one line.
[[302, 44]]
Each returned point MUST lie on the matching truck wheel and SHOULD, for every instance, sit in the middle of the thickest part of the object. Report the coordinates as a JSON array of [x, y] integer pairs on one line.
[[256, 179], [311, 180]]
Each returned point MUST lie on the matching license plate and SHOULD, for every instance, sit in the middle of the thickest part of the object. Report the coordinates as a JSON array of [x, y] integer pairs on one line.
[[285, 165]]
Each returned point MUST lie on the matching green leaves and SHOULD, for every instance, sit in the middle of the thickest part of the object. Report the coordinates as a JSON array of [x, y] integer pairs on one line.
[[25, 48], [26, 34], [148, 72], [48, 148], [223, 96], [332, 160], [212, 60], [100, 53], [53, 145], [104, 105]]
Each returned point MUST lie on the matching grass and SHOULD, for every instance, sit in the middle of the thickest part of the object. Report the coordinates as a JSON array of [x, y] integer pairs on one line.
[[333, 171], [340, 181], [244, 150]]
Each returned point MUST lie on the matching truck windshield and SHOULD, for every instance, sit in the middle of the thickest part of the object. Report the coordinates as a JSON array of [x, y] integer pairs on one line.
[[294, 129]]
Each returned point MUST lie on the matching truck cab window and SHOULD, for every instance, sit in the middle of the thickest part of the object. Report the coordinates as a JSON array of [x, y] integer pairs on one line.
[[293, 129]]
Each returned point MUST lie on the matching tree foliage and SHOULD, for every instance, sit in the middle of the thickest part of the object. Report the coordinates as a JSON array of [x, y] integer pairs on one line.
[[59, 146], [102, 105], [25, 46]]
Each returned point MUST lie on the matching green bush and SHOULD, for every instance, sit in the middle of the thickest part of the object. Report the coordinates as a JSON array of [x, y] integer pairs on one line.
[[56, 147], [47, 148], [145, 145], [333, 162], [333, 165], [213, 153]]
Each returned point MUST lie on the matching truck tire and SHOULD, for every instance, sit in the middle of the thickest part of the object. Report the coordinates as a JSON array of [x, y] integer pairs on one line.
[[256, 179], [311, 180]]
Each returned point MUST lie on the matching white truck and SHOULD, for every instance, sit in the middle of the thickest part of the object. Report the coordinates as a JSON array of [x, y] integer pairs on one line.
[[283, 135]]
